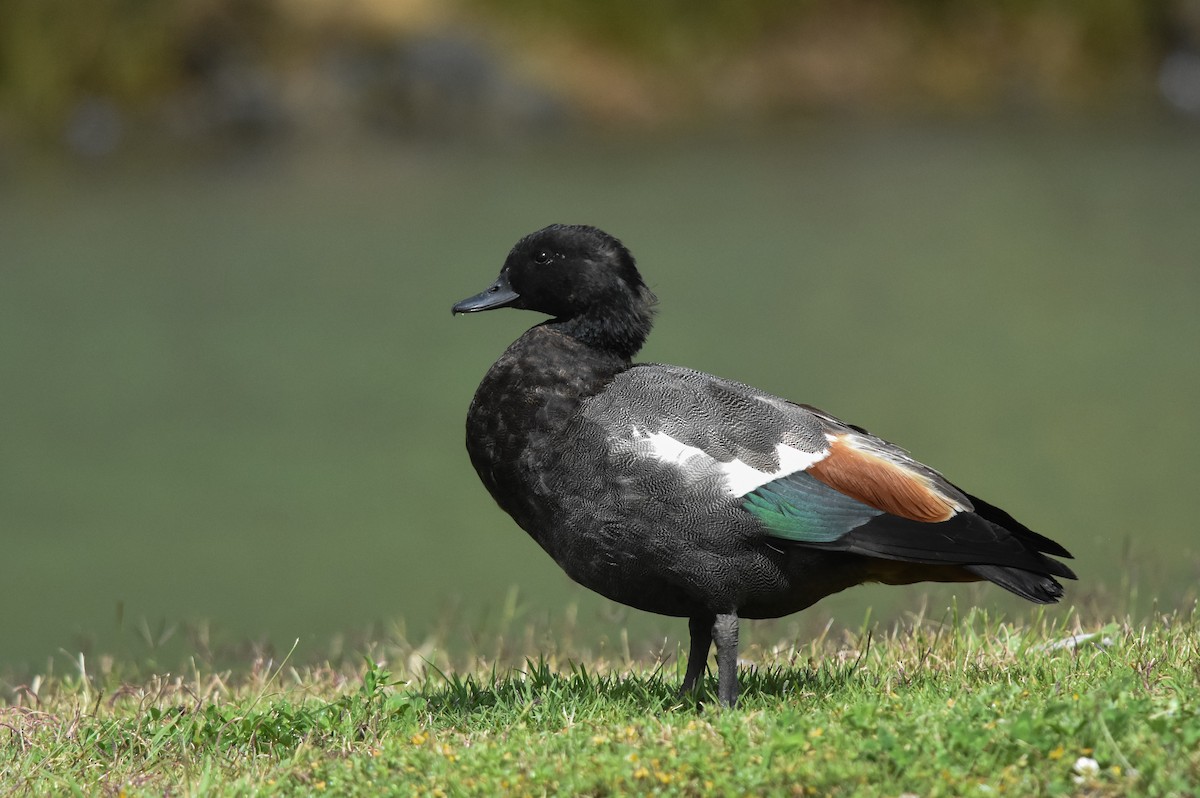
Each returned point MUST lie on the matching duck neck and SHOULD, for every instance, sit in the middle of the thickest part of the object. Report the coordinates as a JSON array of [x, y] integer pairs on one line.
[[620, 332]]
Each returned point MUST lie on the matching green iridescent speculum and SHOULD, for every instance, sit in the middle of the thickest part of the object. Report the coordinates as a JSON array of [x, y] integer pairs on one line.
[[803, 509]]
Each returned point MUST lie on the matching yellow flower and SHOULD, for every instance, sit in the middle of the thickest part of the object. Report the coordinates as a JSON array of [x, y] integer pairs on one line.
[[641, 773], [1057, 753]]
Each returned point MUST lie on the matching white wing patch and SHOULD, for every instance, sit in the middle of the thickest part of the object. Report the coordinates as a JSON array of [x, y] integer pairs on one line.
[[739, 477]]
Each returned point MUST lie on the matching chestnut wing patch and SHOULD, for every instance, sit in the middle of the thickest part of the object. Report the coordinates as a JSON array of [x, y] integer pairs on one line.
[[878, 480]]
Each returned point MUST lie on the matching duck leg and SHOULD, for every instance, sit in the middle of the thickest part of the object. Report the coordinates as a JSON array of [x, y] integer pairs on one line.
[[701, 629], [725, 634]]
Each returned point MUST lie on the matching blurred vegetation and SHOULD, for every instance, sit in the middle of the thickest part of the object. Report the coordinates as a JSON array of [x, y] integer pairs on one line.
[[1106, 30], [621, 61], [55, 52]]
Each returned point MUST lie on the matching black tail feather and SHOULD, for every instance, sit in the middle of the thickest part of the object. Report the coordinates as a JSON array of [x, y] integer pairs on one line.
[[1002, 519], [1038, 588], [965, 539]]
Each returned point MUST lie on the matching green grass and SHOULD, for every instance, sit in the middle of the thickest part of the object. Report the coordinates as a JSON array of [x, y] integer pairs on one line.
[[970, 706]]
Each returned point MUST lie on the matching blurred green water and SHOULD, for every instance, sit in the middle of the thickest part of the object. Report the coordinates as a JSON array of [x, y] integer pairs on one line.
[[233, 391]]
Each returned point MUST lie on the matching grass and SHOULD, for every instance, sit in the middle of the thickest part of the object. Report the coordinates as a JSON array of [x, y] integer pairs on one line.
[[970, 706]]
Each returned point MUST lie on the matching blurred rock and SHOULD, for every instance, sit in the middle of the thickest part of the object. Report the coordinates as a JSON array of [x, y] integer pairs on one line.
[[229, 76], [1179, 81], [230, 96], [444, 87], [1178, 78], [94, 127], [441, 85]]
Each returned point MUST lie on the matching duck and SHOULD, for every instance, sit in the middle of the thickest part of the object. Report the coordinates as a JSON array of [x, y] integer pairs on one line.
[[681, 493]]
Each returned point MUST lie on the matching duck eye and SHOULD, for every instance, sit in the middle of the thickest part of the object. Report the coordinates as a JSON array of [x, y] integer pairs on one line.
[[543, 257]]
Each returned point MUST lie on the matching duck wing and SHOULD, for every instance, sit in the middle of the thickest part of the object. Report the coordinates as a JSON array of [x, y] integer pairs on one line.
[[813, 480]]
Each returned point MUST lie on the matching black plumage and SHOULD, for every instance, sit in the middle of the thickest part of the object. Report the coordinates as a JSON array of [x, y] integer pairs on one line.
[[680, 493]]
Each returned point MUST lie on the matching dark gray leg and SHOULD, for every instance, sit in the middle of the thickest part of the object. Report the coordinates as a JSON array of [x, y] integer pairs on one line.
[[725, 634], [701, 630]]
